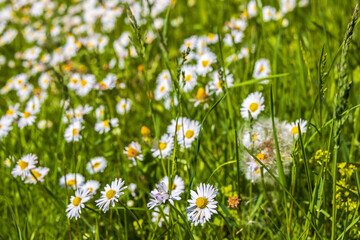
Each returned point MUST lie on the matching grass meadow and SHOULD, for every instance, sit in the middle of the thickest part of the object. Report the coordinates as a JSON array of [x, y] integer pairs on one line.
[[179, 119]]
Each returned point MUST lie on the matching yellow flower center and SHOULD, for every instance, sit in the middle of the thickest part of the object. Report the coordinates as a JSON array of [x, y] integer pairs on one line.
[[83, 83], [71, 182], [253, 106], [261, 69], [211, 36], [36, 174], [201, 202], [110, 194], [188, 44], [178, 127], [131, 152], [22, 164], [205, 63], [165, 76], [102, 84], [90, 189], [106, 123], [201, 95], [27, 114], [75, 132], [220, 84], [189, 133], [254, 137], [123, 106], [295, 130], [162, 145], [96, 165], [188, 78], [162, 89], [74, 80], [10, 112], [76, 201], [145, 130]]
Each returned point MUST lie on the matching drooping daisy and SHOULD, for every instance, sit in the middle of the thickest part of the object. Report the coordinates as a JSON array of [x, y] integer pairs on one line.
[[123, 106], [92, 186], [157, 217], [294, 129], [5, 126], [96, 164], [72, 132], [202, 96], [110, 195], [188, 133], [216, 85], [262, 69], [165, 146], [24, 165], [176, 126], [204, 63], [202, 204], [100, 112], [72, 180], [133, 152], [39, 173], [253, 103], [104, 126], [76, 203], [107, 83], [160, 195], [177, 186], [188, 80]]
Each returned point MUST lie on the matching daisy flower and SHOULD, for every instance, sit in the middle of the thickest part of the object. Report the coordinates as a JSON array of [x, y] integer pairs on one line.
[[162, 90], [204, 63], [133, 152], [39, 173], [165, 147], [251, 9], [188, 133], [76, 203], [189, 43], [72, 132], [164, 76], [27, 118], [24, 165], [268, 13], [44, 81], [81, 111], [176, 127], [123, 106], [202, 96], [177, 187], [294, 129], [72, 180], [100, 112], [107, 83], [202, 204], [92, 186], [262, 69], [12, 111], [5, 126], [74, 81], [86, 84], [96, 164], [253, 103], [160, 195], [104, 126], [110, 195], [188, 80]]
